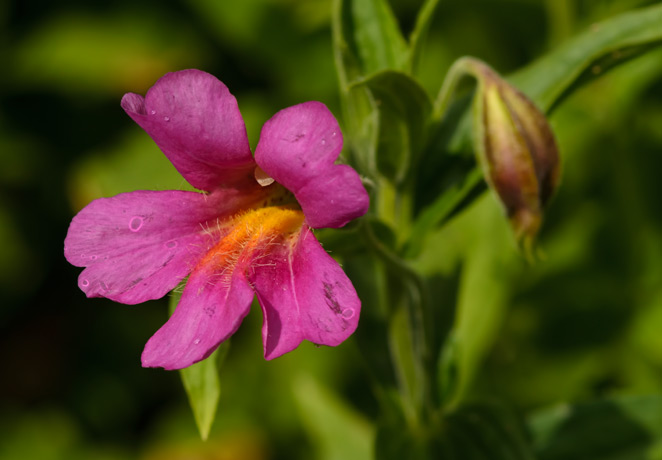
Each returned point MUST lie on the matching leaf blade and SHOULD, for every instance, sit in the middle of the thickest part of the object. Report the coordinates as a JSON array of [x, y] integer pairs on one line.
[[202, 383], [554, 76], [378, 39], [404, 108]]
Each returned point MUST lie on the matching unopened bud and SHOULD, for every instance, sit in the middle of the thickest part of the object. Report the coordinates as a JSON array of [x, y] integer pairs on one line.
[[516, 148]]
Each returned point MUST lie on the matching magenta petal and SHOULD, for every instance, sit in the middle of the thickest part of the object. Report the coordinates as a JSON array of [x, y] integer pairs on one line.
[[210, 310], [137, 246], [196, 122], [298, 147], [304, 294]]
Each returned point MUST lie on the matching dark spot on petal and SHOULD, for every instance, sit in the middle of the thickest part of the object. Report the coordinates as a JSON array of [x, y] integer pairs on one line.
[[134, 282], [167, 261], [298, 137], [331, 301]]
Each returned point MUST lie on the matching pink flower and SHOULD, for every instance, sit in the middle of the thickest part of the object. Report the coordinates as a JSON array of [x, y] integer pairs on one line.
[[249, 233]]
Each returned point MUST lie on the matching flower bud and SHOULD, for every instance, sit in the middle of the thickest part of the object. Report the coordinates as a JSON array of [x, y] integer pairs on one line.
[[516, 148]]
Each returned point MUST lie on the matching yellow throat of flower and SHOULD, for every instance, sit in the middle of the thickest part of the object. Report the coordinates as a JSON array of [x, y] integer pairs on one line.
[[252, 233]]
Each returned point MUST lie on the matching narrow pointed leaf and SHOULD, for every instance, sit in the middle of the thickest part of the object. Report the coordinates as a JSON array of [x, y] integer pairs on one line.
[[589, 55], [376, 36], [358, 107], [418, 35], [202, 384], [482, 299]]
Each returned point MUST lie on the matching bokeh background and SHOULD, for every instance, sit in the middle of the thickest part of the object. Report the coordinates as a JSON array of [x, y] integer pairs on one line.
[[585, 322]]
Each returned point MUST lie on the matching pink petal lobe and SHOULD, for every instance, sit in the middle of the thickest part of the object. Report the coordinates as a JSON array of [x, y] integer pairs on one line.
[[304, 295], [138, 246], [196, 122], [298, 147], [209, 311]]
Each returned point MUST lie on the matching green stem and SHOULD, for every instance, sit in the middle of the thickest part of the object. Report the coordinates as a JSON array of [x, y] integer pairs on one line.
[[417, 299], [460, 68]]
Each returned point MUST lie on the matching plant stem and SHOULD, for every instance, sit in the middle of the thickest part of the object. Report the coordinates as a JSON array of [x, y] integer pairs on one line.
[[460, 68], [415, 317]]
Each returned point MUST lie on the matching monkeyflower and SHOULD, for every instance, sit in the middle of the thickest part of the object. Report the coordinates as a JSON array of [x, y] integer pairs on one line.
[[248, 232]]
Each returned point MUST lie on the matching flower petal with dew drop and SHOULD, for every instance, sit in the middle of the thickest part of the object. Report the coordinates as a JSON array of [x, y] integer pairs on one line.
[[138, 246], [196, 122], [217, 295], [249, 235], [298, 147], [305, 295]]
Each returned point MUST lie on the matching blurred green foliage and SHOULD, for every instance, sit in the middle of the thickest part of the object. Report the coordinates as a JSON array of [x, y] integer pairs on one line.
[[583, 324]]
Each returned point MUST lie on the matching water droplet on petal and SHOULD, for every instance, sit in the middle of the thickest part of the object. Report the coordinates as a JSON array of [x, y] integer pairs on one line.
[[103, 285], [135, 223], [323, 141], [196, 341], [153, 112], [262, 177], [93, 257], [171, 244], [166, 118], [348, 313], [84, 283], [333, 134]]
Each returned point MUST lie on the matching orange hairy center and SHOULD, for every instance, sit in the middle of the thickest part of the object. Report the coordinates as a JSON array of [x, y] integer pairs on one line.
[[250, 232]]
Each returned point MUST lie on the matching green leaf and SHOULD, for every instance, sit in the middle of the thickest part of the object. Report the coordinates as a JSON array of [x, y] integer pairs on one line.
[[482, 299], [347, 62], [358, 107], [404, 108], [409, 369], [375, 36], [338, 432], [202, 383], [407, 330], [418, 35], [366, 40], [618, 428], [607, 44]]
